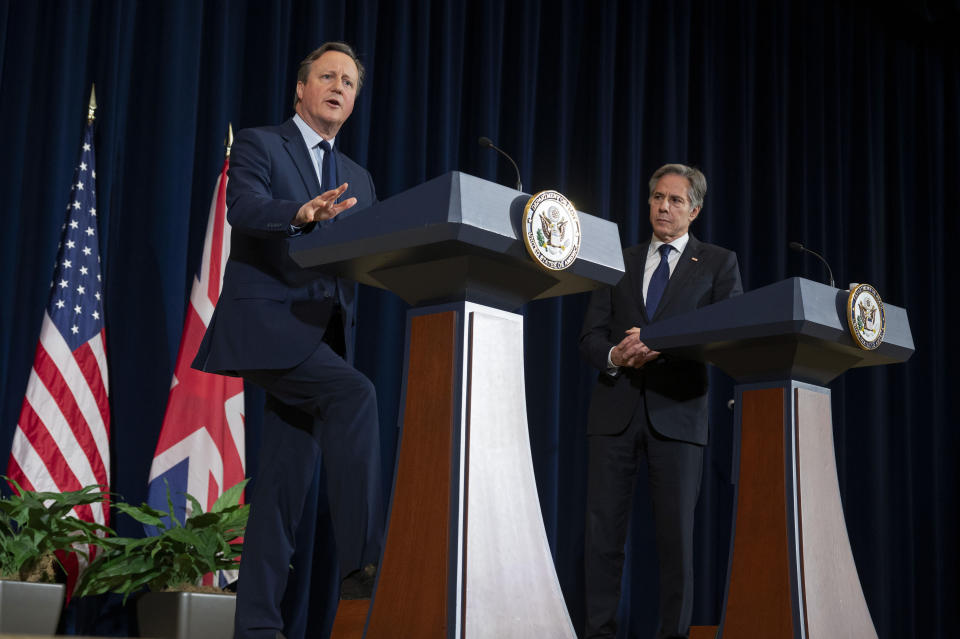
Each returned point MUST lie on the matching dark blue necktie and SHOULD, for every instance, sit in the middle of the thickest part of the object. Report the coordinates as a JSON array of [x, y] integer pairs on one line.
[[658, 281], [328, 171]]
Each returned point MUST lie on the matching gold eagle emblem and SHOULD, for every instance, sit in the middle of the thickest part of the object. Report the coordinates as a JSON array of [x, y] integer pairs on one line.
[[868, 311], [554, 227]]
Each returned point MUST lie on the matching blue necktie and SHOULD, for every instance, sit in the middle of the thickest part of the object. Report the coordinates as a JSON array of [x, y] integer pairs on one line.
[[328, 181], [328, 168], [658, 281]]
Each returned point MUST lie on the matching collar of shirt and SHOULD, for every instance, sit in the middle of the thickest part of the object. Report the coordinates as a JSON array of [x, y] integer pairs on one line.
[[311, 138], [679, 244]]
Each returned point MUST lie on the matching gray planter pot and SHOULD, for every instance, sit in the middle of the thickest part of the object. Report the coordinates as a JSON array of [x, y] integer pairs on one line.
[[186, 615], [30, 609]]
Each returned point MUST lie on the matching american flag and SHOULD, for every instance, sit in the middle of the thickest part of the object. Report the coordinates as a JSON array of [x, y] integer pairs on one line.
[[201, 445], [62, 440]]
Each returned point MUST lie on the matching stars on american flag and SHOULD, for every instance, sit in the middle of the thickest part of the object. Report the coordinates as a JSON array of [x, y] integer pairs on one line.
[[76, 307]]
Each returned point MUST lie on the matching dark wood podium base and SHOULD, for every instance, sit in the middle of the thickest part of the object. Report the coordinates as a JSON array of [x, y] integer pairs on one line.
[[411, 596], [465, 552], [351, 618], [792, 573]]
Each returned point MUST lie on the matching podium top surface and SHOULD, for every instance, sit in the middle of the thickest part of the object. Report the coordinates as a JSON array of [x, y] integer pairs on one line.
[[792, 329], [457, 237]]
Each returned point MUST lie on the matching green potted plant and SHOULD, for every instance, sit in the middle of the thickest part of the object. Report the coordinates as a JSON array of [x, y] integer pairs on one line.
[[171, 564], [34, 526]]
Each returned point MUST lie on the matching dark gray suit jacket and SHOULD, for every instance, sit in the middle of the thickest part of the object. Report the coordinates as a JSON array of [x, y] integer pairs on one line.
[[272, 314], [675, 389]]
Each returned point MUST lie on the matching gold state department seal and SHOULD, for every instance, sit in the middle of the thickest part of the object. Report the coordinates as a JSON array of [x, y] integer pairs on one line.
[[551, 230], [865, 316]]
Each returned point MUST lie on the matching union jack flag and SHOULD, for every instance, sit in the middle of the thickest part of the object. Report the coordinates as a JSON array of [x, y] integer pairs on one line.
[[62, 440], [201, 445]]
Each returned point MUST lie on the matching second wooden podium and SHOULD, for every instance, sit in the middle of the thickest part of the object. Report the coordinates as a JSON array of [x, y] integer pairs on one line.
[[791, 572]]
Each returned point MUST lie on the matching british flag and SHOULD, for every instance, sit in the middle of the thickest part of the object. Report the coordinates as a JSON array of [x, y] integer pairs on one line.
[[201, 445], [62, 440]]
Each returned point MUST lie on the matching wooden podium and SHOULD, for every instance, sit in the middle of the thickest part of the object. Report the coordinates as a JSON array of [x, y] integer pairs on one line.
[[791, 571], [465, 551]]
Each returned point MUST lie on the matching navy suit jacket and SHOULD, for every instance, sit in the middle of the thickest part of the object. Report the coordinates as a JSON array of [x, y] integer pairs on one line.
[[675, 390], [272, 314]]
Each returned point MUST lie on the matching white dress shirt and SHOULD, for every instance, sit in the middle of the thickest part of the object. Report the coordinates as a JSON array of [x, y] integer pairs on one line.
[[312, 139]]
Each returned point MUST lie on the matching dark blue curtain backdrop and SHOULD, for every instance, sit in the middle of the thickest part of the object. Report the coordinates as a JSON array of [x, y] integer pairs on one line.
[[836, 124]]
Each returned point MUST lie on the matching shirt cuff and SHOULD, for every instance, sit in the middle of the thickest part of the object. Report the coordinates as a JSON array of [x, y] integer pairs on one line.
[[295, 230], [612, 369]]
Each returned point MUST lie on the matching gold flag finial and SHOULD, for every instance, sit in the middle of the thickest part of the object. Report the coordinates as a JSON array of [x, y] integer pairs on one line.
[[229, 141], [92, 107]]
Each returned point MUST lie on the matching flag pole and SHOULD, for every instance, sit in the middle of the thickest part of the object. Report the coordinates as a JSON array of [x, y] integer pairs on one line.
[[92, 107], [228, 142]]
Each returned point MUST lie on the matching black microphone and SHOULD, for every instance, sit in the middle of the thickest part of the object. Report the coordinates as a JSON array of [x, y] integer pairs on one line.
[[800, 248], [488, 143]]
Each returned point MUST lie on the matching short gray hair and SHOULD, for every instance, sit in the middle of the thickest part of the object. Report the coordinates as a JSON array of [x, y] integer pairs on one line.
[[303, 72], [698, 181]]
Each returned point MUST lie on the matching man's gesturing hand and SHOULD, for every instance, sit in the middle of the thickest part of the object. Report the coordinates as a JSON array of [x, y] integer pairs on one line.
[[324, 206]]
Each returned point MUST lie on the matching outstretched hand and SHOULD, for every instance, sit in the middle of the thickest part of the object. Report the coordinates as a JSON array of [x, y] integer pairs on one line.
[[324, 206], [631, 351]]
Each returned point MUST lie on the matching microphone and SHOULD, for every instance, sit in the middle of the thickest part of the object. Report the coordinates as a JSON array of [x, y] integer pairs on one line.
[[800, 248], [488, 144]]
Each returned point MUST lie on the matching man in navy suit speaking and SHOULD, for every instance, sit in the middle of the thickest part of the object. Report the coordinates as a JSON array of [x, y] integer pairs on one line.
[[650, 406], [290, 331]]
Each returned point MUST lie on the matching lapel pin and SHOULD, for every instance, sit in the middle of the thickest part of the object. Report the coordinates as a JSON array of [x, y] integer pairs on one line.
[[694, 259]]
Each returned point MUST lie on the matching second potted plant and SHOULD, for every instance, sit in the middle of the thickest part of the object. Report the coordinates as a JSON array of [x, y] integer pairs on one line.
[[171, 564]]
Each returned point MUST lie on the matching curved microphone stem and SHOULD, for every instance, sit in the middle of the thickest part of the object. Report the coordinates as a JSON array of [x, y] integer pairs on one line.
[[797, 246], [488, 143]]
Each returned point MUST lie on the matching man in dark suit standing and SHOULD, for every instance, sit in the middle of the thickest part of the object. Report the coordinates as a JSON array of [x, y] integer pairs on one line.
[[290, 331], [650, 406]]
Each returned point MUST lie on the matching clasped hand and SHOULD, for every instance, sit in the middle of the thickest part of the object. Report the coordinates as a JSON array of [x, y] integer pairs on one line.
[[631, 351], [324, 206]]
